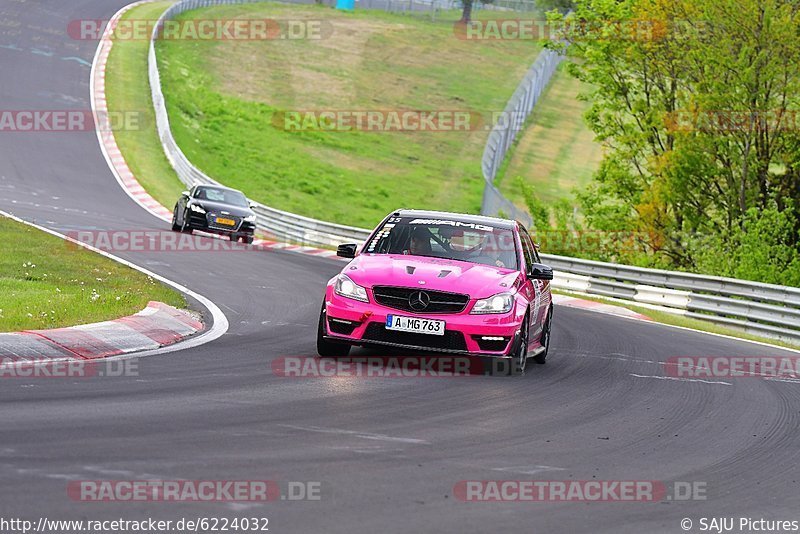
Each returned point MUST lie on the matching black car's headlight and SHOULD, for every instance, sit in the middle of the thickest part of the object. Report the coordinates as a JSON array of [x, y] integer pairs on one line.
[[349, 289], [250, 219], [197, 209], [500, 303]]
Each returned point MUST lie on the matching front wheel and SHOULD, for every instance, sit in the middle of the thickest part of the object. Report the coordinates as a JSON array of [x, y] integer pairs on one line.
[[185, 226], [175, 226], [519, 360], [325, 348], [541, 358]]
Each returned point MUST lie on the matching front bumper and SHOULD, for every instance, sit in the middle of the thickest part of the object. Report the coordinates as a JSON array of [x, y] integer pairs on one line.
[[362, 323], [204, 222]]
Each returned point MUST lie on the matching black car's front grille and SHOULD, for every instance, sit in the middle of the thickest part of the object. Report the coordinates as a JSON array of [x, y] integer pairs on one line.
[[451, 340], [404, 298], [212, 222], [492, 345]]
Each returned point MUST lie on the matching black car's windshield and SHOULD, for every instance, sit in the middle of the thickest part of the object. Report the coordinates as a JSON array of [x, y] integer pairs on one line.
[[450, 239], [225, 196]]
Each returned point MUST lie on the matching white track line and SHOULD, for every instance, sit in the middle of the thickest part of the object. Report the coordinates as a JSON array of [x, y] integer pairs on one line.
[[720, 382]]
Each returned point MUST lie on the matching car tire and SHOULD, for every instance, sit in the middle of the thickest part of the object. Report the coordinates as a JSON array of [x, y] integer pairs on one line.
[[325, 348], [175, 226], [247, 240], [185, 226], [541, 358], [519, 360], [233, 237]]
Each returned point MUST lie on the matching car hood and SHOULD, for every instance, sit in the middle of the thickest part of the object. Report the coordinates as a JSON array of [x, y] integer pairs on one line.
[[475, 280], [217, 207]]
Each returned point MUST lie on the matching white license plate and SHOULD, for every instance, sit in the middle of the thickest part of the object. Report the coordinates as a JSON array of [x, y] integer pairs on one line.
[[415, 324]]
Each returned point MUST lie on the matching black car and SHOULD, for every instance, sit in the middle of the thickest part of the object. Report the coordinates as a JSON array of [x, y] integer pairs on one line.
[[215, 209]]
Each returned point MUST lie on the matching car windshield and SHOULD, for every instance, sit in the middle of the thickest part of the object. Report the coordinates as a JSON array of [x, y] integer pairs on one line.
[[449, 239], [224, 196]]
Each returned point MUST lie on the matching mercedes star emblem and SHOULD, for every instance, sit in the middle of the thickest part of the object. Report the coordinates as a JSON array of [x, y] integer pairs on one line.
[[418, 300]]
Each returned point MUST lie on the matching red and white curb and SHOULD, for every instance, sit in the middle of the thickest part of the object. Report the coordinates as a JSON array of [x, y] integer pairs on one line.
[[600, 307], [116, 161], [218, 327], [156, 326]]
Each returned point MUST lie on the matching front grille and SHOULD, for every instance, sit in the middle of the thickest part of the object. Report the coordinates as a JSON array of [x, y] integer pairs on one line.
[[451, 340], [440, 301], [340, 326], [491, 345], [211, 218]]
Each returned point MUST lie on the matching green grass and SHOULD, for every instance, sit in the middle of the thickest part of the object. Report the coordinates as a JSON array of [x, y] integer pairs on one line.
[[685, 322], [222, 95], [47, 282], [128, 90], [557, 153]]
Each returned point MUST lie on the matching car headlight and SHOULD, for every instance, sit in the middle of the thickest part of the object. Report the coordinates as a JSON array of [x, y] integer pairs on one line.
[[250, 219], [196, 208], [500, 303], [349, 289]]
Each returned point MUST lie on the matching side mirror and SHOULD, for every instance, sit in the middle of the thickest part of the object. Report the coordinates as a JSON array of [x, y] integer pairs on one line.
[[347, 251], [185, 194], [252, 205], [538, 271]]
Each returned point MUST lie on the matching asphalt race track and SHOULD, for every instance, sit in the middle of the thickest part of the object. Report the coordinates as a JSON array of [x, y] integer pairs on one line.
[[388, 452]]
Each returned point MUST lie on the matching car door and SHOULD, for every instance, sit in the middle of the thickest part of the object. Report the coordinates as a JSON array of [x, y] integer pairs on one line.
[[539, 289]]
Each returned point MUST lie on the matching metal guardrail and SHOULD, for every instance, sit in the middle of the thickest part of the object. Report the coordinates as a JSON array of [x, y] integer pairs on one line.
[[505, 131], [763, 309]]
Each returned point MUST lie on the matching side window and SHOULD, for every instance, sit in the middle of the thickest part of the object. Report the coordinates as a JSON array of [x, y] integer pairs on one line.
[[527, 247], [534, 249]]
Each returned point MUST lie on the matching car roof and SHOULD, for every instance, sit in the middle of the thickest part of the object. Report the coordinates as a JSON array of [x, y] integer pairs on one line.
[[459, 217], [213, 186]]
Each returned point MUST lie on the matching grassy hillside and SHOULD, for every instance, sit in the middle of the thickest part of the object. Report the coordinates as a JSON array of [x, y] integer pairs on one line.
[[48, 283], [557, 153], [222, 97]]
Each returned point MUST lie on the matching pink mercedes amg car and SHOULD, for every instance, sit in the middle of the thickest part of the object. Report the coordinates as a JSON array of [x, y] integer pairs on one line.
[[442, 282]]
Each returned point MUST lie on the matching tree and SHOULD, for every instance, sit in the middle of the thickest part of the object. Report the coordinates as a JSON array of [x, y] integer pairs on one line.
[[466, 13], [697, 103]]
